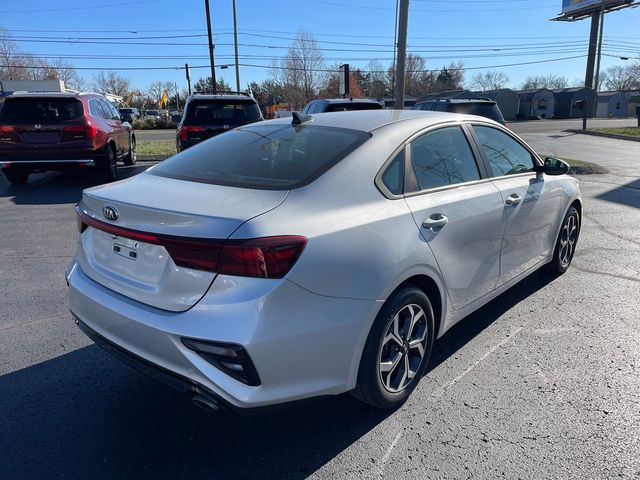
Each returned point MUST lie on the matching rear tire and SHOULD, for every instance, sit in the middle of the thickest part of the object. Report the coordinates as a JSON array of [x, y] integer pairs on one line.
[[397, 350], [566, 242], [109, 167], [131, 157], [17, 178]]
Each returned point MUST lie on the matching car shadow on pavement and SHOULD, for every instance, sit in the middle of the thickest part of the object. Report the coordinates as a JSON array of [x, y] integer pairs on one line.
[[57, 188], [627, 194], [85, 415]]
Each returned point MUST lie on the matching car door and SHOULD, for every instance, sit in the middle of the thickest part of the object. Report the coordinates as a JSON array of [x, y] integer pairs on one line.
[[457, 210], [531, 201]]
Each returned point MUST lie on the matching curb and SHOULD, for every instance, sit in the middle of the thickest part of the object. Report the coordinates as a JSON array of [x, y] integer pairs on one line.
[[606, 135]]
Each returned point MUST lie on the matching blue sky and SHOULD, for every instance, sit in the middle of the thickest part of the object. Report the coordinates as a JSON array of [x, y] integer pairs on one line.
[[482, 33]]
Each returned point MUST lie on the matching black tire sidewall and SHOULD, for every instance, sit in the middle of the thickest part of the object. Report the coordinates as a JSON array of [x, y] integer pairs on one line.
[[556, 265], [131, 159], [370, 388], [109, 160]]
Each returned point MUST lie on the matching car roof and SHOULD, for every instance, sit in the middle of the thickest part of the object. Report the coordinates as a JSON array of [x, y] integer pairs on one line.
[[369, 120], [53, 94], [458, 100], [346, 100], [199, 96]]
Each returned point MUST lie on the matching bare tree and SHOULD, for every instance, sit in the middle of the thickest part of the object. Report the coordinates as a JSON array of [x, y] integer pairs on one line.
[[156, 89], [550, 81], [11, 62], [489, 81], [621, 78], [301, 70], [111, 82]]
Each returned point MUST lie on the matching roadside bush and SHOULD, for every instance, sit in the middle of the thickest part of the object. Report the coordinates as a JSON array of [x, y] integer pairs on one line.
[[153, 123]]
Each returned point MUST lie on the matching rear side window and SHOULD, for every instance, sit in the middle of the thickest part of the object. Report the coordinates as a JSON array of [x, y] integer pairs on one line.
[[443, 157], [269, 157], [220, 112], [506, 156], [347, 107], [393, 176], [40, 110]]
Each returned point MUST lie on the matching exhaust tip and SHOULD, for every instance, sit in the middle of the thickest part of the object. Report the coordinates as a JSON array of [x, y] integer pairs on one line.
[[206, 402]]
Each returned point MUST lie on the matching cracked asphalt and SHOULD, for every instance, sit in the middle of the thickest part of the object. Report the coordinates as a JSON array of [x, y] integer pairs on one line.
[[543, 382]]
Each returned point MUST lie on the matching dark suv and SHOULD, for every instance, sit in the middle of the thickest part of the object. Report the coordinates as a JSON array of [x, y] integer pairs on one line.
[[472, 106], [40, 132], [208, 115], [340, 105]]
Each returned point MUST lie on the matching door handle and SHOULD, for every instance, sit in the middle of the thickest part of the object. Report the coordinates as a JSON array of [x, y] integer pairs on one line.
[[435, 221], [513, 200]]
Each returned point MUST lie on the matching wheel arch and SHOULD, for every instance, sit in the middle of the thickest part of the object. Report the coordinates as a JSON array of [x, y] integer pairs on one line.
[[431, 289]]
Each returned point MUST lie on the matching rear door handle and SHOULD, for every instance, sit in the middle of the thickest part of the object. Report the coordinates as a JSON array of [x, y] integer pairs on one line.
[[513, 200], [435, 221]]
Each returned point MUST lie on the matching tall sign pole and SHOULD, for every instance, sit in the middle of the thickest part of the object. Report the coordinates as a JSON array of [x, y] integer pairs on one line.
[[235, 42], [213, 71], [593, 48], [403, 20]]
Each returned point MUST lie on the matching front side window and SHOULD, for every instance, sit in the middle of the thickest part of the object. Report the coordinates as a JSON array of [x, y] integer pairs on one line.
[[506, 156], [443, 157], [270, 157]]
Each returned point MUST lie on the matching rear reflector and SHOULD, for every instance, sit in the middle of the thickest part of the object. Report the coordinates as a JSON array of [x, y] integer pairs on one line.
[[267, 257]]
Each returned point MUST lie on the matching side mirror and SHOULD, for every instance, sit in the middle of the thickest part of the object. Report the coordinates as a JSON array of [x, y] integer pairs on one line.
[[554, 166]]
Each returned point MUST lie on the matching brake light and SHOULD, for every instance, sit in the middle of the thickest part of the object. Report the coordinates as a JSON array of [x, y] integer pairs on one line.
[[73, 132], [185, 130], [90, 131], [267, 257], [8, 134], [7, 129]]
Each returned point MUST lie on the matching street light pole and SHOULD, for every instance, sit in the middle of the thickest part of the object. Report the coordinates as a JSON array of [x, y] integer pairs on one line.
[[213, 72], [235, 42]]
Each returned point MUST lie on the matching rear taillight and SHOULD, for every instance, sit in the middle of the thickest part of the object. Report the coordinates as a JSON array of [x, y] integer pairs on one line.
[[73, 133], [90, 131], [185, 130], [8, 134], [267, 257]]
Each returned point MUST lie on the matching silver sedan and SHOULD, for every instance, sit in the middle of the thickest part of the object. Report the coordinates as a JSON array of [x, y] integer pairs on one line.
[[315, 255]]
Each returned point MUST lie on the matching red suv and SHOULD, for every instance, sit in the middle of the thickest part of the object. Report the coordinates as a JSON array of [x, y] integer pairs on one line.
[[40, 132]]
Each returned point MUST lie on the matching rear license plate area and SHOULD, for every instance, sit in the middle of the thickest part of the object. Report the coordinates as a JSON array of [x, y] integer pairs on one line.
[[124, 251]]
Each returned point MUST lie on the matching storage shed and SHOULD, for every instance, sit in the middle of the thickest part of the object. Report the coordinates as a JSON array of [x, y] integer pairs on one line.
[[538, 103], [566, 98], [613, 104], [634, 101], [508, 101]]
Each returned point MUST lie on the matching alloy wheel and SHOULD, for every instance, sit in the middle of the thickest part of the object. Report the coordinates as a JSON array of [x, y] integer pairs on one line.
[[568, 239], [403, 348]]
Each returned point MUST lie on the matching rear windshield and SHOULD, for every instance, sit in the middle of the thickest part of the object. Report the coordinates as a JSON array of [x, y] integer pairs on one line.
[[217, 112], [268, 157], [40, 110], [488, 110], [346, 107], [126, 110]]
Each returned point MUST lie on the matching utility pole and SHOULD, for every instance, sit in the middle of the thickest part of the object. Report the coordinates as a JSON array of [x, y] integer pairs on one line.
[[593, 48], [235, 42], [175, 86], [213, 72], [403, 19], [395, 49], [186, 71]]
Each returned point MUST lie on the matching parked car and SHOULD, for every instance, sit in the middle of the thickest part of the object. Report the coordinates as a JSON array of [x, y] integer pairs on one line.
[[40, 132], [206, 116], [340, 105], [153, 114], [316, 255], [473, 106], [129, 114]]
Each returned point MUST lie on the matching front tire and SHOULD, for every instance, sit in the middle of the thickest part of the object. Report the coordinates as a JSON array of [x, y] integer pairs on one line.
[[397, 350], [17, 178], [566, 242]]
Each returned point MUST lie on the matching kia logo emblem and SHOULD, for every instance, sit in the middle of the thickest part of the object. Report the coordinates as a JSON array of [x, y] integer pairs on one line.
[[110, 213]]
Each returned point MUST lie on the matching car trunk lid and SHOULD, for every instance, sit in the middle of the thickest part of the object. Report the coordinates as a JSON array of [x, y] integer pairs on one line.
[[119, 247]]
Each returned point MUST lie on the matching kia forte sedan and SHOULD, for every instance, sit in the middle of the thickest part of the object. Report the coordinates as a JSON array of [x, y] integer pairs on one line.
[[315, 255]]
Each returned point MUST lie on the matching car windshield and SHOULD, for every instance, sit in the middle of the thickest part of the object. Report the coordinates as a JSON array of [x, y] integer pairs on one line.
[[219, 112], [269, 157], [488, 110], [40, 110], [345, 107]]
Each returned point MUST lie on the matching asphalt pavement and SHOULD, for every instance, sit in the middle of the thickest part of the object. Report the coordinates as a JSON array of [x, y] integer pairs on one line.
[[543, 382]]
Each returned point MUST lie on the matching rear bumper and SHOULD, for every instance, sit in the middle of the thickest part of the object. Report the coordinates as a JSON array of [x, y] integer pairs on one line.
[[302, 345], [45, 165]]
